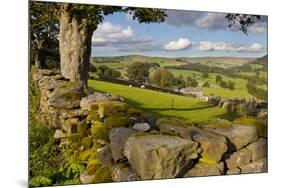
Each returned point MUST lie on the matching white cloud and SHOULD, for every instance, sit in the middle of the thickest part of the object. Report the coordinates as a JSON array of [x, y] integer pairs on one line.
[[107, 32], [256, 47], [229, 47], [180, 44], [123, 39]]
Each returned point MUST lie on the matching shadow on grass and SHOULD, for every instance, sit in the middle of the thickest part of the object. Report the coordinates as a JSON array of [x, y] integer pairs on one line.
[[227, 116], [157, 111]]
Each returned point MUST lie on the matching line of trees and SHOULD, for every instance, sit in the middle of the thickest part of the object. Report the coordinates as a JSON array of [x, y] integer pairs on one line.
[[257, 92], [223, 84], [143, 73]]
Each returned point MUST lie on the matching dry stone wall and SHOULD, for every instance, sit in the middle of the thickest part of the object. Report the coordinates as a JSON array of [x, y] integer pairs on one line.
[[120, 143]]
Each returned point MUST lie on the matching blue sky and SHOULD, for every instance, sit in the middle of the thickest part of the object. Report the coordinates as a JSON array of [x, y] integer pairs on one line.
[[184, 33]]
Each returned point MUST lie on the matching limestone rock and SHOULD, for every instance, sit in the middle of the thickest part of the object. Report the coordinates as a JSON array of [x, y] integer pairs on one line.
[[159, 156], [239, 158], [59, 134], [213, 145], [104, 156], [124, 174], [173, 129], [255, 167], [118, 137], [51, 82], [72, 113], [233, 171], [87, 102], [142, 127], [203, 169], [258, 149], [67, 97], [86, 178], [238, 135]]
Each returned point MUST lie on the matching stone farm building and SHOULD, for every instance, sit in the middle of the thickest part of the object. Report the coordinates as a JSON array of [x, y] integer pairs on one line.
[[196, 91]]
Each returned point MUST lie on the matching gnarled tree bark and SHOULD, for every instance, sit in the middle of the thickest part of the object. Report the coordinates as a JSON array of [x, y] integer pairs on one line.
[[75, 39]]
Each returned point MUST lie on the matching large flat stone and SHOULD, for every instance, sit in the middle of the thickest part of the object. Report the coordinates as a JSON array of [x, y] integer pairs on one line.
[[213, 145], [118, 137], [159, 156], [238, 135]]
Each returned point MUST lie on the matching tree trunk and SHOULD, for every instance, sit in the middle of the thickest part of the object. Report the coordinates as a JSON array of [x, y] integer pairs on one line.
[[75, 41], [39, 57]]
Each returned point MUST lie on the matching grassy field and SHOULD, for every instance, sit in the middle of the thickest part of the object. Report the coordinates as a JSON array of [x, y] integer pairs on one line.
[[160, 104]]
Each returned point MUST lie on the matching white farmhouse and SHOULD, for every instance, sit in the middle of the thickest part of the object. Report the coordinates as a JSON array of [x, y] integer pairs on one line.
[[196, 91]]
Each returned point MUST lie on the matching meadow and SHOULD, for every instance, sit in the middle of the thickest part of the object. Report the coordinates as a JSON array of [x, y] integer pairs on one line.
[[122, 62], [163, 104]]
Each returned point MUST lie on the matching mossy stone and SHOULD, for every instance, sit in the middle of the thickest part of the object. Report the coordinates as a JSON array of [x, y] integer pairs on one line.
[[208, 159], [82, 127], [260, 124], [93, 166], [91, 153], [75, 137], [110, 108], [116, 121], [219, 123], [103, 175], [99, 131], [134, 112], [71, 96], [87, 142], [94, 106], [93, 116]]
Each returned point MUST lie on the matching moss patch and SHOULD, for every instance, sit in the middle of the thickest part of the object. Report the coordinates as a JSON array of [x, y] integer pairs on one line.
[[219, 123], [134, 112], [93, 166], [82, 127], [102, 175], [260, 124], [110, 108], [207, 159], [87, 142], [116, 121], [99, 131], [93, 116], [71, 96]]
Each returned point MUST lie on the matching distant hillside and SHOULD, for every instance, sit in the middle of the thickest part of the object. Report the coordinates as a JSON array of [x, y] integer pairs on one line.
[[262, 60], [210, 61]]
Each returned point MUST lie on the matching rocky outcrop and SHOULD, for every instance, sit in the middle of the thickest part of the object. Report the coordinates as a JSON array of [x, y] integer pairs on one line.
[[159, 156]]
